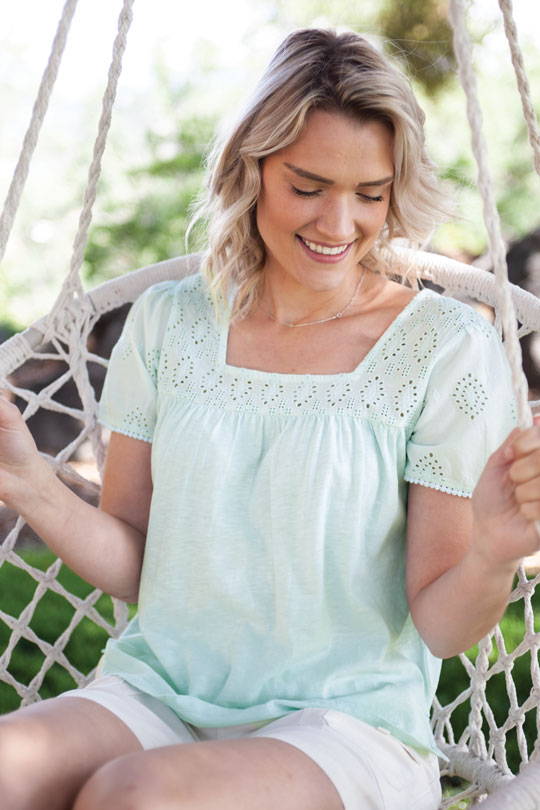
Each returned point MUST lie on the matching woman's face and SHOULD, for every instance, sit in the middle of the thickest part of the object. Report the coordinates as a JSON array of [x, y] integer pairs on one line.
[[324, 200]]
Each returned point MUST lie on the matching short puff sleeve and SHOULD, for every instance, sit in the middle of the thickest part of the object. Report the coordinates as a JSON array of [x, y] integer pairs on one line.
[[129, 397], [468, 411]]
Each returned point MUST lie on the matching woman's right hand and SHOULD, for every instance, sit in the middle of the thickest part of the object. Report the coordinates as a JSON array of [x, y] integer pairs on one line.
[[19, 456]]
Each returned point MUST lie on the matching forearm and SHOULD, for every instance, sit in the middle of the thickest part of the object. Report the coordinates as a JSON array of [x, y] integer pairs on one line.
[[456, 610], [104, 550]]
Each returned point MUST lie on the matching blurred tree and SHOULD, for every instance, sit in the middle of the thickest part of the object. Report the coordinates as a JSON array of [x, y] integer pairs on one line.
[[151, 225], [150, 182], [417, 32]]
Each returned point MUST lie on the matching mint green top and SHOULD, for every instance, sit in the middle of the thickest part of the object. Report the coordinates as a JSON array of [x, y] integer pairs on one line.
[[273, 575]]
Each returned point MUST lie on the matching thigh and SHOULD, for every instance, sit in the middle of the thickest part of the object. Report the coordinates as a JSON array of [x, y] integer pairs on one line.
[[311, 759], [49, 749], [153, 723], [233, 774], [370, 768]]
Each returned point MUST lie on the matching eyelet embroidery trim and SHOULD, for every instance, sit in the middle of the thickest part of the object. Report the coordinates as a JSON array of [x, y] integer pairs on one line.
[[441, 487], [195, 371], [138, 425], [428, 466], [470, 396], [389, 386]]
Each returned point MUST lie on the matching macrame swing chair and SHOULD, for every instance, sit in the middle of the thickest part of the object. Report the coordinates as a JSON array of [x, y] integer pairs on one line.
[[478, 754]]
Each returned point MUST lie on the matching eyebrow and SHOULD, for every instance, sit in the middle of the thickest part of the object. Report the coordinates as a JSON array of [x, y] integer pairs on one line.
[[310, 176]]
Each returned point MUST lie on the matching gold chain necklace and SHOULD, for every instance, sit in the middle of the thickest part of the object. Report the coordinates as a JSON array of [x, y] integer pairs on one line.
[[322, 320]]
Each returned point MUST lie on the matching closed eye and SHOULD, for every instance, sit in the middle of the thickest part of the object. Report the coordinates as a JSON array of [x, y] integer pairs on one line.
[[302, 193], [305, 193], [371, 199]]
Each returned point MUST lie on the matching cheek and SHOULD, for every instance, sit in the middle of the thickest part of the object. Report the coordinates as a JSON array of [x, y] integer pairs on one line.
[[282, 216], [378, 216]]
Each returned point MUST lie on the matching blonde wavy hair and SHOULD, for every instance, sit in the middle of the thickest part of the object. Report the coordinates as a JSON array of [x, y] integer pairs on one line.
[[312, 69]]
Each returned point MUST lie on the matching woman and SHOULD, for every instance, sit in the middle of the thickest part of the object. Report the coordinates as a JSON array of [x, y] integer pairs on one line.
[[313, 488]]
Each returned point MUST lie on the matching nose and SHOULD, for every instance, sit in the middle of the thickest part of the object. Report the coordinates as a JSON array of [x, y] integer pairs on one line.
[[336, 222]]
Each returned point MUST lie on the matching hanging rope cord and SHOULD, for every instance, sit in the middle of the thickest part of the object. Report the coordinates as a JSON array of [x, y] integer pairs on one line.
[[522, 793], [522, 80], [72, 314], [39, 111], [72, 286], [463, 51], [72, 292]]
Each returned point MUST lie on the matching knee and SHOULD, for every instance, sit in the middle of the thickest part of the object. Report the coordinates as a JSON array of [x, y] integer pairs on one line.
[[24, 751], [125, 783], [22, 743]]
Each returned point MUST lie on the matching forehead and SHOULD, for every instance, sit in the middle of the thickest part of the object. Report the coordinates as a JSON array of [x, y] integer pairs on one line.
[[332, 144]]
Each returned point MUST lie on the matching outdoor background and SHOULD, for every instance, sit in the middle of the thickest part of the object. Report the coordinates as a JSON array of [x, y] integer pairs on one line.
[[187, 69]]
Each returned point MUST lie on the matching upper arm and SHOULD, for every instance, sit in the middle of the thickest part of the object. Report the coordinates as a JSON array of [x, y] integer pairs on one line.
[[127, 481], [439, 534]]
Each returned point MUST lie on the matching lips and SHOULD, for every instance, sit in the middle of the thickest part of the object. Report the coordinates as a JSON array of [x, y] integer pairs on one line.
[[325, 250], [323, 254]]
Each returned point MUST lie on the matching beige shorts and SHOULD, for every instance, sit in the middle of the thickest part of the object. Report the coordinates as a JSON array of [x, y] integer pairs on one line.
[[369, 767]]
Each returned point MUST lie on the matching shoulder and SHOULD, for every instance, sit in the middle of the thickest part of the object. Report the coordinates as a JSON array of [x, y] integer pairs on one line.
[[164, 306], [171, 289], [430, 310], [455, 313], [453, 320], [172, 296]]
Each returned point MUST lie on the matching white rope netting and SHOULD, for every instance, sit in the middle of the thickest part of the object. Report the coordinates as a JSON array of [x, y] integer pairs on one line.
[[483, 744]]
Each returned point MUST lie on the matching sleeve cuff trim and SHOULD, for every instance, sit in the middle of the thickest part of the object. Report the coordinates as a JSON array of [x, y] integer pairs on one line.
[[463, 493], [133, 434]]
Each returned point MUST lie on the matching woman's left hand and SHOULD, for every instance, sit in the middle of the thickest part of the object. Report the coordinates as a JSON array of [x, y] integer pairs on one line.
[[506, 499]]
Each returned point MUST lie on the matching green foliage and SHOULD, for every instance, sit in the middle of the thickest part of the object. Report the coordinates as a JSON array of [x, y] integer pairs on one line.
[[150, 225], [149, 184]]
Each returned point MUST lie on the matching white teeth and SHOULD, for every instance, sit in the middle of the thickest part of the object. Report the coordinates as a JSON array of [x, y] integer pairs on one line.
[[327, 251]]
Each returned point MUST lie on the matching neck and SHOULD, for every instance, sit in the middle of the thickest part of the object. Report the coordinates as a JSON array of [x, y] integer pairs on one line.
[[289, 302]]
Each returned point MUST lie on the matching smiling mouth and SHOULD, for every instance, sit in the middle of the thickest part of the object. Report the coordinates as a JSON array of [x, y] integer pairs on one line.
[[325, 250]]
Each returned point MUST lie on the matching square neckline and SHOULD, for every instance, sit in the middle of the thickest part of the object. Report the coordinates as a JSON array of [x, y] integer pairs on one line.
[[261, 373]]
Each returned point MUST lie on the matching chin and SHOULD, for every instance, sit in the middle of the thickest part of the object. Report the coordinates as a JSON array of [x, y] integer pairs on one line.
[[325, 278]]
